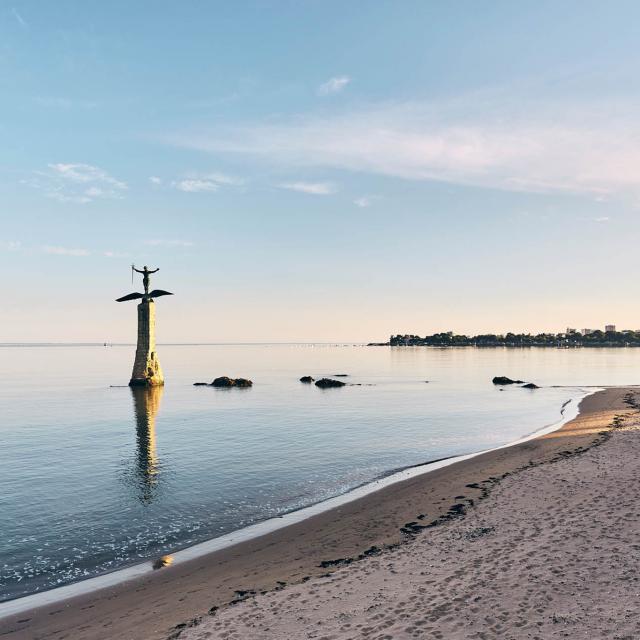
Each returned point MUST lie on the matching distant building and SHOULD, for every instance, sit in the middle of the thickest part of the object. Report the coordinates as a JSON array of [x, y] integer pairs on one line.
[[609, 327], [586, 332], [570, 330]]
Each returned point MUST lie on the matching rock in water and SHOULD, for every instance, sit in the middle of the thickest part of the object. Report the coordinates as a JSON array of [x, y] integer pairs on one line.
[[227, 382], [505, 380], [306, 379], [530, 385], [223, 381], [327, 383]]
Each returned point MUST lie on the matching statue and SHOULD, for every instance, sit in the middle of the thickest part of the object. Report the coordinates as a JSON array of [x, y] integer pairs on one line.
[[146, 366], [145, 279], [156, 293]]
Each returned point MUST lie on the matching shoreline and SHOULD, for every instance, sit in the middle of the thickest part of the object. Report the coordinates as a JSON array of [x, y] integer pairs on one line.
[[253, 557], [549, 550], [116, 577]]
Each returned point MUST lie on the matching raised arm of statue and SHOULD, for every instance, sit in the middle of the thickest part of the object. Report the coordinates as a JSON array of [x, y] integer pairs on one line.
[[158, 269], [138, 270]]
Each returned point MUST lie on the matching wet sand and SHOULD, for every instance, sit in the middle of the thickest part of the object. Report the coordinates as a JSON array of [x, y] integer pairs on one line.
[[499, 558]]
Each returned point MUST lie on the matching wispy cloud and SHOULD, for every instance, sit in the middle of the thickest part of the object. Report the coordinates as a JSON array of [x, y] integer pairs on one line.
[[79, 183], [60, 196], [223, 178], [312, 188], [363, 201], [114, 254], [65, 251], [155, 180], [483, 141], [196, 185], [602, 219], [168, 243], [85, 173], [333, 85], [206, 182], [23, 23], [10, 245]]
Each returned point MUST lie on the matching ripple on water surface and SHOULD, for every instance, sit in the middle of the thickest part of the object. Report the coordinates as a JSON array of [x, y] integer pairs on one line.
[[96, 478]]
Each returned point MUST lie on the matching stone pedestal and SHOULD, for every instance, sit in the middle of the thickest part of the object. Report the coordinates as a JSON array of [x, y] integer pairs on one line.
[[146, 368]]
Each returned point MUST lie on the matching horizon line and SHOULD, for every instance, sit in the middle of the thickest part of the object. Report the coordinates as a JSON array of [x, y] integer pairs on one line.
[[173, 344]]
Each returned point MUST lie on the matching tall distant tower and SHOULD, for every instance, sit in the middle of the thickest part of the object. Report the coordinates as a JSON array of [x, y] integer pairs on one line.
[[146, 366]]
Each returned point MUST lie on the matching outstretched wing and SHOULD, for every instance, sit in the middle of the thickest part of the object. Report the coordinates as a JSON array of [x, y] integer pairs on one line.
[[130, 296], [156, 293]]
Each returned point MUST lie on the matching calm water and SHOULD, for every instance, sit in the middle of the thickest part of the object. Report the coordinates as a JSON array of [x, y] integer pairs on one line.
[[96, 478]]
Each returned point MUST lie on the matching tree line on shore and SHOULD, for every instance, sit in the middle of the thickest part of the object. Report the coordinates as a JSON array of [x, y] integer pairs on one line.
[[574, 339]]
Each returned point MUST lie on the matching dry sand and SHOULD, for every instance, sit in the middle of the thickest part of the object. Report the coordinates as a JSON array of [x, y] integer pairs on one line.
[[546, 544]]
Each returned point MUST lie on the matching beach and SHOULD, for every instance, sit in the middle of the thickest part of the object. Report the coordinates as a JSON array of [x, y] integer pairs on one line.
[[317, 321], [508, 527]]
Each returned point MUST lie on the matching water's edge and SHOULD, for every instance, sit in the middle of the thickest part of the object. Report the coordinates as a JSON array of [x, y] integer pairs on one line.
[[568, 411]]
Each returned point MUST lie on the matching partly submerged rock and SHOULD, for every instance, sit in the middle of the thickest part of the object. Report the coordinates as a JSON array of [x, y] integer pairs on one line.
[[505, 380], [340, 375], [200, 384], [307, 379], [223, 381], [530, 385], [327, 383], [227, 382]]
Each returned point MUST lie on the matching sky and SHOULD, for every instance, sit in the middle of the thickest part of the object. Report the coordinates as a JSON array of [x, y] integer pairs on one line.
[[318, 171]]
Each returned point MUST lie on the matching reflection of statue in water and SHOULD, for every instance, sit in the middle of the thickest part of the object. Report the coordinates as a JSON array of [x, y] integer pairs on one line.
[[146, 403]]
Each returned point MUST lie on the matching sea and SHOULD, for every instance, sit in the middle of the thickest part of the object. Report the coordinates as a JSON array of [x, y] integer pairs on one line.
[[97, 476]]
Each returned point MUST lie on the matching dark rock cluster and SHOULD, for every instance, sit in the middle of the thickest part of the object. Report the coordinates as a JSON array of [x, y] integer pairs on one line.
[[226, 382], [328, 383], [503, 380]]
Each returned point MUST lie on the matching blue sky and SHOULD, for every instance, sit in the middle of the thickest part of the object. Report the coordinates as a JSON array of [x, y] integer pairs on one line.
[[318, 170]]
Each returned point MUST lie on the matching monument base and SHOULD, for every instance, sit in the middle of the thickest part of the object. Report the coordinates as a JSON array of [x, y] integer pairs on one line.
[[146, 367], [145, 382]]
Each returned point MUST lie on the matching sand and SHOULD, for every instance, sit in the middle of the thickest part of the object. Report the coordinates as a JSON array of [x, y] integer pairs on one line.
[[543, 545]]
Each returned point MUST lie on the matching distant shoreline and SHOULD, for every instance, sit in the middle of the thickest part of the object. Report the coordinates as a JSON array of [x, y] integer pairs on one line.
[[183, 344], [508, 346], [568, 340]]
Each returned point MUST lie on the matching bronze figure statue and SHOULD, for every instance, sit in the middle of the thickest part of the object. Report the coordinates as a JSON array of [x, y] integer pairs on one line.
[[147, 295], [145, 279]]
